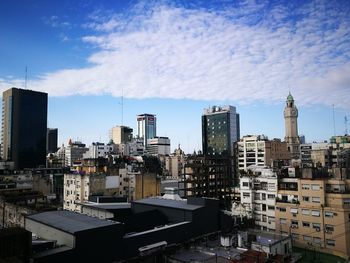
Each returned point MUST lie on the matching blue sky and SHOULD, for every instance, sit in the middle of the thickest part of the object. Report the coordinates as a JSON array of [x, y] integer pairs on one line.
[[174, 58]]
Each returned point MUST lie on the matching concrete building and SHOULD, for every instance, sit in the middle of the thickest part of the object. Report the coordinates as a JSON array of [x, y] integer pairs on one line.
[[24, 127], [74, 151], [158, 146], [258, 195], [220, 129], [51, 140], [153, 227], [76, 237], [121, 134], [99, 150], [79, 186], [291, 126], [257, 150], [175, 163], [315, 212], [146, 127]]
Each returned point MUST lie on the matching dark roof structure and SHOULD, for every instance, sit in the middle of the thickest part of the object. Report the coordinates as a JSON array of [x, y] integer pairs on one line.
[[70, 222], [168, 203]]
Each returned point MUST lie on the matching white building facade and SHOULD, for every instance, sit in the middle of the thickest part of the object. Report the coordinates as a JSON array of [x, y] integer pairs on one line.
[[258, 195]]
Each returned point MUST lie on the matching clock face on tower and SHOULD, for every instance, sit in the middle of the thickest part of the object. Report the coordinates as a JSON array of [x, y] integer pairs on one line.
[[293, 112]]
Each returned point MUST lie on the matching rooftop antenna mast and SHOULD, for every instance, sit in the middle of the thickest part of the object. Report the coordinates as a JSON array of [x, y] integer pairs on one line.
[[26, 78], [122, 106], [333, 120]]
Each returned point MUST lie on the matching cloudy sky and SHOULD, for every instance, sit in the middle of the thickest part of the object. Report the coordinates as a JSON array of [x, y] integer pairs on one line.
[[174, 58]]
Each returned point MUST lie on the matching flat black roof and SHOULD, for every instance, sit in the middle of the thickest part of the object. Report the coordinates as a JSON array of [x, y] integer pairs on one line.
[[168, 203], [69, 221]]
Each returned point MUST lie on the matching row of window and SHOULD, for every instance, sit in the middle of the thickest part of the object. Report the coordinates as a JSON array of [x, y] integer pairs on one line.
[[317, 226], [308, 212], [315, 240], [310, 186]]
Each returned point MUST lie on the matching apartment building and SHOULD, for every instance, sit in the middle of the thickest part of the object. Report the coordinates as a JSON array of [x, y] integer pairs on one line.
[[259, 150], [128, 182], [316, 213], [258, 191]]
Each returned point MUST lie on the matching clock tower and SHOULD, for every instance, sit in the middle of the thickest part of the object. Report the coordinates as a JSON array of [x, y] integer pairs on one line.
[[291, 125]]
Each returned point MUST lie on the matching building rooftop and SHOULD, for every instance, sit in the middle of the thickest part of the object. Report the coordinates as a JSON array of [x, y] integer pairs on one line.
[[178, 204], [107, 206], [69, 221]]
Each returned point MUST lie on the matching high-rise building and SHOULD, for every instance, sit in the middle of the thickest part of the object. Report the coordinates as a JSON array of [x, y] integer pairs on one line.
[[146, 127], [260, 151], [51, 140], [121, 134], [291, 126], [220, 129], [24, 127]]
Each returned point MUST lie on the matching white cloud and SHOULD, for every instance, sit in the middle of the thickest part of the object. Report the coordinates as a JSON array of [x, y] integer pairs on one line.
[[173, 52]]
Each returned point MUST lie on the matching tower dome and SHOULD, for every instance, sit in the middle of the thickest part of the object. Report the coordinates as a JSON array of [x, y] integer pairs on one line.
[[290, 97]]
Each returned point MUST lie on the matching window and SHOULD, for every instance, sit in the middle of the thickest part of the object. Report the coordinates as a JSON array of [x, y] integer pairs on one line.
[[246, 195], [329, 228], [283, 221], [328, 214], [294, 223], [270, 207], [317, 240], [271, 186], [307, 238], [306, 224], [271, 196], [346, 201], [246, 184], [305, 186], [294, 210], [257, 196], [315, 199], [283, 209], [263, 207], [306, 199], [305, 212], [316, 226], [263, 196], [330, 242], [315, 213], [315, 187]]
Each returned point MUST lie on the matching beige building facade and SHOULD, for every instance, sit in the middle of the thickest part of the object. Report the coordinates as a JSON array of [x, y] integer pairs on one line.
[[316, 213]]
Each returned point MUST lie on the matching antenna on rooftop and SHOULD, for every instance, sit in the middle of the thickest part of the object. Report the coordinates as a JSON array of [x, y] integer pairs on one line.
[[122, 105], [333, 120], [26, 78], [346, 124]]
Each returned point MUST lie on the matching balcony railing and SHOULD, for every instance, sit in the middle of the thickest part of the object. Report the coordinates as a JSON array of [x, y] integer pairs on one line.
[[293, 201]]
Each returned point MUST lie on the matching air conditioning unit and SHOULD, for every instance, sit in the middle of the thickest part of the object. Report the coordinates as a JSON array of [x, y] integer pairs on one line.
[[318, 229]]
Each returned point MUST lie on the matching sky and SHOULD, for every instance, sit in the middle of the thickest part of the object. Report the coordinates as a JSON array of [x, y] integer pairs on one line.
[[175, 58]]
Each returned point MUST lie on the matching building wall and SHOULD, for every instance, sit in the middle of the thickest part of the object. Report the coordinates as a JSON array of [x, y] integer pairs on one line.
[[50, 233], [258, 195], [316, 214]]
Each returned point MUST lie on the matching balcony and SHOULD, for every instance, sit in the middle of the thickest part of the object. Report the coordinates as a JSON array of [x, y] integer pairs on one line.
[[292, 201]]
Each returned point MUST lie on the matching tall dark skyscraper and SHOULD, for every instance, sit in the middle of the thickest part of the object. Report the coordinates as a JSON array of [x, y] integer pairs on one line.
[[24, 127], [51, 140], [220, 129]]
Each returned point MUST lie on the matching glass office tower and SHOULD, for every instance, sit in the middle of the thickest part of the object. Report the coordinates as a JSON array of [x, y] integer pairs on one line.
[[24, 127], [220, 129]]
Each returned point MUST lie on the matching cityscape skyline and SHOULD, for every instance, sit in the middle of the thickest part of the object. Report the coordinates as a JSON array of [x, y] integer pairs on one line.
[[175, 58]]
